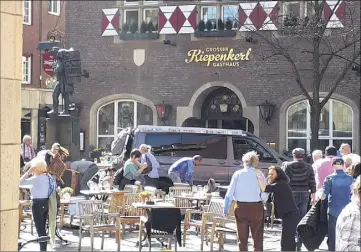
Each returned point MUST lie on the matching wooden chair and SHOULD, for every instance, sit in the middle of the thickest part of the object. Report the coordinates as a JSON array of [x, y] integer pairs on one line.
[[159, 194], [129, 214], [219, 227], [215, 209], [26, 214], [181, 185], [94, 220], [182, 204]]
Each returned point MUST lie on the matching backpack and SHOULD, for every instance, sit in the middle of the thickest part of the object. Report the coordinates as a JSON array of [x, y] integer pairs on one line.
[[149, 167], [118, 176]]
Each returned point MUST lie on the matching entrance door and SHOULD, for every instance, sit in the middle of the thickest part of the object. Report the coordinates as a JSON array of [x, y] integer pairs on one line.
[[222, 109]]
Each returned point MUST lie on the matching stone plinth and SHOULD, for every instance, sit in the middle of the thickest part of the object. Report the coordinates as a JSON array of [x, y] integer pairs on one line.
[[65, 131], [11, 28]]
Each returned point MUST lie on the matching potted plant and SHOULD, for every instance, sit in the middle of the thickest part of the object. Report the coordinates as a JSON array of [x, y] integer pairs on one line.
[[201, 26], [151, 27], [229, 25], [145, 196], [220, 25], [134, 27], [97, 153], [67, 192], [143, 27], [125, 28], [209, 25]]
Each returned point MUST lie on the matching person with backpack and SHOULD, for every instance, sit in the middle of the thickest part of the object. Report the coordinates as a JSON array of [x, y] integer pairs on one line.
[[42, 185], [337, 189], [131, 170], [151, 174]]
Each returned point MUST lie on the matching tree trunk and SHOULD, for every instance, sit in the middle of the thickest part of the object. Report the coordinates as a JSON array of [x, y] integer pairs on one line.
[[315, 125]]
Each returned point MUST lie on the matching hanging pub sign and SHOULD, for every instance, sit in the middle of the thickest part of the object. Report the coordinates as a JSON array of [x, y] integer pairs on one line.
[[218, 56], [48, 61]]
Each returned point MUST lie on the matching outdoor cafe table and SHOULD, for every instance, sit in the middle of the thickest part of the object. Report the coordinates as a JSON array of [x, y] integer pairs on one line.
[[198, 198], [98, 194]]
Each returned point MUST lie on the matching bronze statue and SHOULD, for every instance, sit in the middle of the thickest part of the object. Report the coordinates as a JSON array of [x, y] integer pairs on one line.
[[68, 73]]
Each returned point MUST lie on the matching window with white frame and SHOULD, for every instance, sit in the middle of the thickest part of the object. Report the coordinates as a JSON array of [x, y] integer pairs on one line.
[[151, 15], [54, 7], [335, 125], [230, 13], [115, 116], [131, 2], [209, 13], [26, 70], [131, 17], [27, 15], [294, 11]]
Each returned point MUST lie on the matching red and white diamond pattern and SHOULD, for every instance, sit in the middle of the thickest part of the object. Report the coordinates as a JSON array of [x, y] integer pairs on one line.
[[261, 15], [177, 19], [338, 15], [110, 22]]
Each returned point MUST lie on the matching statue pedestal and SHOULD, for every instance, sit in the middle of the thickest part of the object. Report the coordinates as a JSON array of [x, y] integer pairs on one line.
[[65, 131]]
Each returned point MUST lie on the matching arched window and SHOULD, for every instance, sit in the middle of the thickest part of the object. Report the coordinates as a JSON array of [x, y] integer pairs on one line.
[[335, 125], [117, 115]]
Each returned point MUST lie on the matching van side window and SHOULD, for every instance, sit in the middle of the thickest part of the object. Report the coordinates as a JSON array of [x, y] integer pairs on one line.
[[187, 145], [244, 145]]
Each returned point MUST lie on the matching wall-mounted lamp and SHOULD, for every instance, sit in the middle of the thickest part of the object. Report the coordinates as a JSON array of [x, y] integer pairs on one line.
[[266, 110], [163, 111], [168, 42]]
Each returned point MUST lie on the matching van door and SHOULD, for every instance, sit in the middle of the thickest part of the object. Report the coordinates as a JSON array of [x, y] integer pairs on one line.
[[169, 147], [242, 145]]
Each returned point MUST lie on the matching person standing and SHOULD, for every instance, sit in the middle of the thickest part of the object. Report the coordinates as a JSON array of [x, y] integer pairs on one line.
[[85, 170], [348, 222], [323, 167], [151, 178], [249, 210], [27, 150], [42, 186], [355, 170], [337, 189], [131, 172], [316, 155], [182, 170], [284, 203]]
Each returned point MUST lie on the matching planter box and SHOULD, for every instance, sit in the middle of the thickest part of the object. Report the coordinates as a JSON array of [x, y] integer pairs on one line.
[[139, 36], [224, 33]]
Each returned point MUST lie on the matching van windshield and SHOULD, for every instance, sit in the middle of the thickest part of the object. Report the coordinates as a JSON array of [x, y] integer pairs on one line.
[[188, 145]]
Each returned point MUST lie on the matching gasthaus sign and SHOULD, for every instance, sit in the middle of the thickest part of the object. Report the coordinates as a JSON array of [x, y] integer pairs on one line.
[[218, 56]]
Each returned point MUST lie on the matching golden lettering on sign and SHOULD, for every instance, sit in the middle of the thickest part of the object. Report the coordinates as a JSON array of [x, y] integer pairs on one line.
[[218, 56]]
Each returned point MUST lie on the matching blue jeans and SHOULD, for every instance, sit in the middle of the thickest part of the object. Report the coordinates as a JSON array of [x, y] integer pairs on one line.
[[301, 199], [331, 242]]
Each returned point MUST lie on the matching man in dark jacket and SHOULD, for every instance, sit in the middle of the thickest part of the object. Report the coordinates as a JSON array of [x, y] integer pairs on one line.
[[86, 170], [302, 181]]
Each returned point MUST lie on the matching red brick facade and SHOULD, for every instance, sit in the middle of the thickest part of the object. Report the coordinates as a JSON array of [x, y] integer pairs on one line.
[[165, 76]]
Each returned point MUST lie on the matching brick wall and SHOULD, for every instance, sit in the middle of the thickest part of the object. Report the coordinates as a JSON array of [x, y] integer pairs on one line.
[[32, 33], [166, 77]]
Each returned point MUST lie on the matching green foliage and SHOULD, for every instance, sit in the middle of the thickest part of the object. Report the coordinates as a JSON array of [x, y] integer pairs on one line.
[[209, 25], [125, 28], [201, 26], [134, 27], [143, 27], [151, 27], [229, 25], [67, 190], [220, 25]]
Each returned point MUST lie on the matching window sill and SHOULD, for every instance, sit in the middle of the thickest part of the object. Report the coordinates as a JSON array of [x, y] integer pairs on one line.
[[225, 33], [139, 36], [29, 24], [54, 13], [25, 83]]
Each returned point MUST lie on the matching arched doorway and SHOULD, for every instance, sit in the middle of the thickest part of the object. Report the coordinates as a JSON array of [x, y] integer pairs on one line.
[[222, 108]]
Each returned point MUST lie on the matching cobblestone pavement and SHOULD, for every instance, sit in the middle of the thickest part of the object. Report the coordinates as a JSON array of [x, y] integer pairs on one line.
[[271, 242]]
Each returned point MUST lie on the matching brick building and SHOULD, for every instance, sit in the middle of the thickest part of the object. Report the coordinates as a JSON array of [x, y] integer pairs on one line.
[[41, 20], [210, 79]]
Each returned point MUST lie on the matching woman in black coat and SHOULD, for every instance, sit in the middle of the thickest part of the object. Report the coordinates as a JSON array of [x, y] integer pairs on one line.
[[284, 203]]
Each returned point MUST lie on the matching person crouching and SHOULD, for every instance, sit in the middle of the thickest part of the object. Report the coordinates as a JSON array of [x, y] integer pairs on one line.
[[42, 185]]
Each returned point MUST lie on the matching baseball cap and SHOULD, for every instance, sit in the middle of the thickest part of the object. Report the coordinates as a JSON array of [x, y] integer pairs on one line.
[[337, 161], [298, 152]]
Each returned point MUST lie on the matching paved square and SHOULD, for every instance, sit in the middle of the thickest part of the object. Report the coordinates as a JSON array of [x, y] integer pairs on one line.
[[271, 242]]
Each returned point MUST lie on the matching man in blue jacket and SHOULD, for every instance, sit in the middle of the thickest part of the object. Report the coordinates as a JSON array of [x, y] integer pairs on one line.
[[182, 170]]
